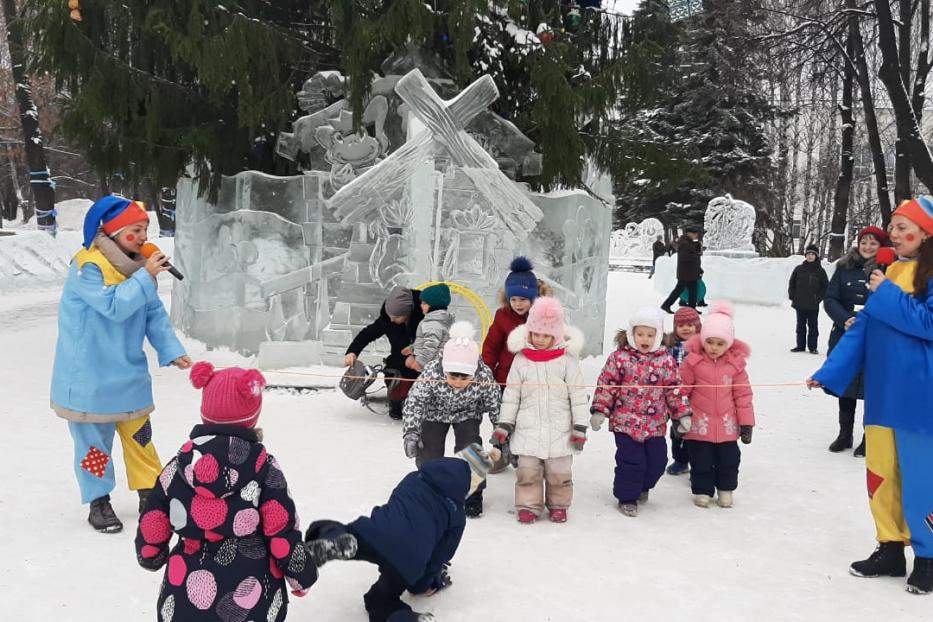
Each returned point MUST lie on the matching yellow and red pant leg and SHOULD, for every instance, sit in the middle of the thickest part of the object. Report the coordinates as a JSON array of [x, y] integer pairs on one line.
[[884, 485], [142, 461]]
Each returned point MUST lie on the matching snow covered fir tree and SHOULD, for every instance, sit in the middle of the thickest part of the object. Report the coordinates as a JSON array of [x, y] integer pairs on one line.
[[643, 258]]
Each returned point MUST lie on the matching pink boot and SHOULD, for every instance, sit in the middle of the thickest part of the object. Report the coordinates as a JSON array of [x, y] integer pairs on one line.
[[558, 516], [526, 517]]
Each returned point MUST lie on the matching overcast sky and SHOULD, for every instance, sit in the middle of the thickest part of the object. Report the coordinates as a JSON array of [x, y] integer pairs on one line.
[[622, 6]]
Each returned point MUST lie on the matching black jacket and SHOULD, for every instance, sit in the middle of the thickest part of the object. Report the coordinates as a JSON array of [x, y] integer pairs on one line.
[[688, 259], [807, 287], [400, 336], [658, 249], [847, 289]]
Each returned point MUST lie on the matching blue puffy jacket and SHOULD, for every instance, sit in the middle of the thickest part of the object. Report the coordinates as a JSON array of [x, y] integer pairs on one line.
[[892, 342], [420, 527], [847, 289]]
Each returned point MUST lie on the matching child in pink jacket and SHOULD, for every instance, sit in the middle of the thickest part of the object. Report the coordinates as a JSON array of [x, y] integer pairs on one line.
[[638, 410], [721, 404]]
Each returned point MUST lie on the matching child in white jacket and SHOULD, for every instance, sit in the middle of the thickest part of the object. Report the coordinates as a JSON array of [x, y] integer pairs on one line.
[[544, 411]]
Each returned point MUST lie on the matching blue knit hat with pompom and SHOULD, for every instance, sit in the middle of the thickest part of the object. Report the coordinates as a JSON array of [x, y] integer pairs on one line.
[[521, 281]]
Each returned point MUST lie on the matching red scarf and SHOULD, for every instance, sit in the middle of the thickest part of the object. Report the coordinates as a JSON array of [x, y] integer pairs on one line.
[[542, 356]]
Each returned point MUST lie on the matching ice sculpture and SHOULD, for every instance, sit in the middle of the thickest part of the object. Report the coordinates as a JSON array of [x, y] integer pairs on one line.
[[728, 226], [635, 240], [292, 267]]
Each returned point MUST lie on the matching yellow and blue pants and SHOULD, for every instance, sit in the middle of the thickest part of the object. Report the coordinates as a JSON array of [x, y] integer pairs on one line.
[[93, 461], [899, 468]]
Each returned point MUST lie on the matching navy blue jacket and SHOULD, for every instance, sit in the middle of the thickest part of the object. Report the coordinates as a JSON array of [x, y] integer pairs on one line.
[[420, 527], [847, 289]]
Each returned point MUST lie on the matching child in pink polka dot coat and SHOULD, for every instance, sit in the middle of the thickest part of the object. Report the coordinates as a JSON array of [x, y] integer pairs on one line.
[[239, 549]]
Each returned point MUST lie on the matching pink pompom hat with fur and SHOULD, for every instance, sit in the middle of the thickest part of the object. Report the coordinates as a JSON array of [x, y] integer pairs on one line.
[[718, 323], [546, 317], [231, 396]]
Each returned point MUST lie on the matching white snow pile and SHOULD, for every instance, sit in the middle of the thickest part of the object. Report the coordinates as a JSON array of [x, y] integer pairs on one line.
[[758, 281]]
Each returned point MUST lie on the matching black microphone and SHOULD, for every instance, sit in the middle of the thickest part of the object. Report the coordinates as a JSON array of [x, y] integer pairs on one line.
[[149, 249], [885, 258]]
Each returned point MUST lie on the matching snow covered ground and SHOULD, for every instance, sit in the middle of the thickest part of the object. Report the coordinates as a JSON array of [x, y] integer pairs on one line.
[[780, 554]]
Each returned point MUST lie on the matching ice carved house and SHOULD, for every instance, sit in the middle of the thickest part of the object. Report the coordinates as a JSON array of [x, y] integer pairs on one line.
[[290, 268]]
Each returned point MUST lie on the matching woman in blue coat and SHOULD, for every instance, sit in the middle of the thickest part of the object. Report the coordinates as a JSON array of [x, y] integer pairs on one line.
[[100, 380], [847, 294], [891, 340]]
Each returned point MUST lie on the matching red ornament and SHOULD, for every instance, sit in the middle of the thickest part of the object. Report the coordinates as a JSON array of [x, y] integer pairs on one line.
[[546, 36]]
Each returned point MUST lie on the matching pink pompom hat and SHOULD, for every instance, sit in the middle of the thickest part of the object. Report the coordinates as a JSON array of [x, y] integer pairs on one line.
[[546, 317], [718, 323], [231, 396]]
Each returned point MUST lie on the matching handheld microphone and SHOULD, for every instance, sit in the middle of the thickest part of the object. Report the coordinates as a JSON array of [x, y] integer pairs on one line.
[[149, 249], [885, 258]]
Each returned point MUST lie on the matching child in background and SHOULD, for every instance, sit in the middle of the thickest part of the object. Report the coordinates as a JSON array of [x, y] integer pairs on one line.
[[411, 538], [100, 382], [431, 334], [522, 287], [722, 406], [456, 391], [239, 548], [686, 324], [544, 413], [638, 416]]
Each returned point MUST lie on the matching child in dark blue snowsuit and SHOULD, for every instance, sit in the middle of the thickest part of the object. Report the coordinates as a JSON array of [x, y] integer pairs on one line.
[[413, 537]]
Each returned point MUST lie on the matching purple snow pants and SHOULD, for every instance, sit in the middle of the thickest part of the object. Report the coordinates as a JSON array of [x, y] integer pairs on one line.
[[639, 466]]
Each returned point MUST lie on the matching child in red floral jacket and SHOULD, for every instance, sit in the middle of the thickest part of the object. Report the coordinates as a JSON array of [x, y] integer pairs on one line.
[[638, 415]]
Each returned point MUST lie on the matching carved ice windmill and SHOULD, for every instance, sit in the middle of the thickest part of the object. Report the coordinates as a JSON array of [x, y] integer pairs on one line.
[[446, 142]]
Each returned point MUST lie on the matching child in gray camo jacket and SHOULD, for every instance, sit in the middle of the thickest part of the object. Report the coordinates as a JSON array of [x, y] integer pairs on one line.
[[433, 329], [455, 391]]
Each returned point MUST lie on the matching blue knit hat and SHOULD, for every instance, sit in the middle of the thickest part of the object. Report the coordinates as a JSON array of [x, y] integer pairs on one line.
[[436, 296], [521, 281]]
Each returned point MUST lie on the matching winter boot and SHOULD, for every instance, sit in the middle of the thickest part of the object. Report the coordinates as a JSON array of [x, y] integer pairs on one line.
[[322, 551], [678, 468], [629, 509], [526, 517], [860, 450], [798, 349], [701, 501], [395, 409], [843, 441], [921, 578], [887, 561], [473, 506], [102, 517], [643, 497], [814, 351], [557, 515], [667, 309], [143, 496], [407, 615], [725, 499]]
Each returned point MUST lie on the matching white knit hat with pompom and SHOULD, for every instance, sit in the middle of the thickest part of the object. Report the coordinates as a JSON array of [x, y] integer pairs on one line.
[[461, 352]]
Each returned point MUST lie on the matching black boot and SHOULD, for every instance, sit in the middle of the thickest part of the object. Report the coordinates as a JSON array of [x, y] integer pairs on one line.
[[860, 450], [395, 410], [343, 546], [921, 578], [843, 441], [102, 516], [473, 506], [887, 561], [143, 495]]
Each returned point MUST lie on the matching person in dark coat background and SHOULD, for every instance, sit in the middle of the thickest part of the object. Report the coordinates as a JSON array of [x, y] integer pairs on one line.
[[806, 290], [398, 322], [658, 249], [847, 293], [689, 269], [413, 537]]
